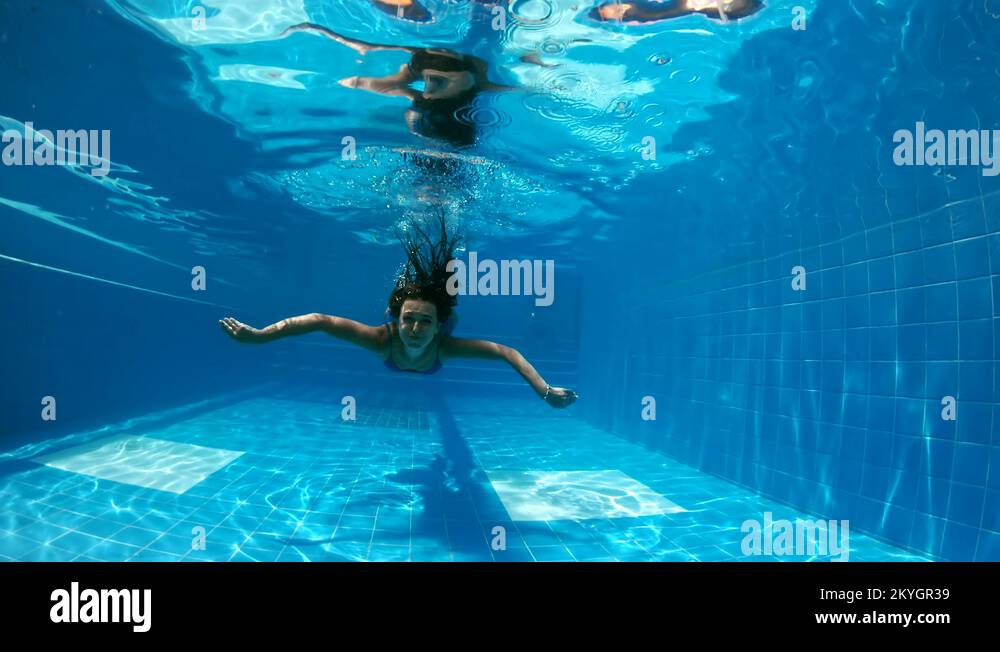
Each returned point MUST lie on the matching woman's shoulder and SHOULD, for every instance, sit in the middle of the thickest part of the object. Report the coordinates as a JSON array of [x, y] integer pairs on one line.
[[446, 345], [385, 341]]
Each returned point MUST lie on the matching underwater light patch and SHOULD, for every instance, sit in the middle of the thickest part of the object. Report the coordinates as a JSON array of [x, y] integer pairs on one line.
[[142, 461], [576, 495]]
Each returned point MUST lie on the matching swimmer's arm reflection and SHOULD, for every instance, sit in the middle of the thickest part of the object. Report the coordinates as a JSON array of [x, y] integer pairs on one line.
[[644, 11], [457, 347], [361, 47], [397, 84], [389, 85]]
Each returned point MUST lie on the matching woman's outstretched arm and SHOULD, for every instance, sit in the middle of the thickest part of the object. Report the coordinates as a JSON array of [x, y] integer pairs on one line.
[[368, 337], [457, 347], [361, 47]]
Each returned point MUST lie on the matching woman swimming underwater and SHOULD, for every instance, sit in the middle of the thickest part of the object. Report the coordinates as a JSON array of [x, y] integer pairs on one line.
[[417, 334]]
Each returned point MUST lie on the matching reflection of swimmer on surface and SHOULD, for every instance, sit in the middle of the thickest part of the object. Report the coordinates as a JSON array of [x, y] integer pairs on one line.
[[415, 12], [451, 82], [416, 335], [651, 11]]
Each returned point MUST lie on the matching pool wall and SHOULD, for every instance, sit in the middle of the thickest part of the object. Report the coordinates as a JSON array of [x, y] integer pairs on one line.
[[827, 398]]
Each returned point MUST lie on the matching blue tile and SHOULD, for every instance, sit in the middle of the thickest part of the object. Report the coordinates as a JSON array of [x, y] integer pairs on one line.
[[879, 242], [111, 551], [966, 504], [704, 553], [975, 381], [855, 410], [909, 416], [911, 342], [973, 422], [551, 553], [939, 263], [77, 542], [875, 482], [906, 452], [880, 274], [911, 379], [959, 543], [868, 513], [47, 553], [934, 230], [389, 553], [100, 527], [172, 543], [153, 555], [42, 531], [135, 536], [975, 299], [971, 258], [856, 279], [856, 312], [909, 269], [906, 235], [898, 523], [833, 283], [932, 498], [883, 343], [356, 521], [937, 427], [942, 341], [927, 533], [991, 511], [941, 302], [350, 534], [214, 551], [967, 219], [881, 411], [903, 489], [993, 250], [882, 308], [292, 554], [855, 248], [911, 306], [17, 546], [942, 379], [434, 554], [989, 546], [976, 339]]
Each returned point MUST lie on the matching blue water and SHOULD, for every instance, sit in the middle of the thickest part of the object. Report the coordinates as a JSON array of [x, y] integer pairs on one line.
[[773, 149]]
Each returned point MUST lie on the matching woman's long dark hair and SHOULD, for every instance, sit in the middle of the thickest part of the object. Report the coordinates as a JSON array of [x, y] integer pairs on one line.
[[425, 275]]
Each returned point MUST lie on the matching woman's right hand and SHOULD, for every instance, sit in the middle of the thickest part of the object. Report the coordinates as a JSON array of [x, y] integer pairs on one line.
[[239, 331], [560, 397]]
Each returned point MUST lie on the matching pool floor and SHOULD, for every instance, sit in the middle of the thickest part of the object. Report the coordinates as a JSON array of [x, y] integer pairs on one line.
[[280, 477]]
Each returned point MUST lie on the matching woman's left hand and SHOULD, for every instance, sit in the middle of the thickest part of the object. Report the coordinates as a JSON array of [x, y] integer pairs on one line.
[[560, 397]]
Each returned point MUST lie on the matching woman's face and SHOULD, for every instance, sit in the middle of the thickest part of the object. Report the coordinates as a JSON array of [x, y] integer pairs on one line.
[[418, 323]]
